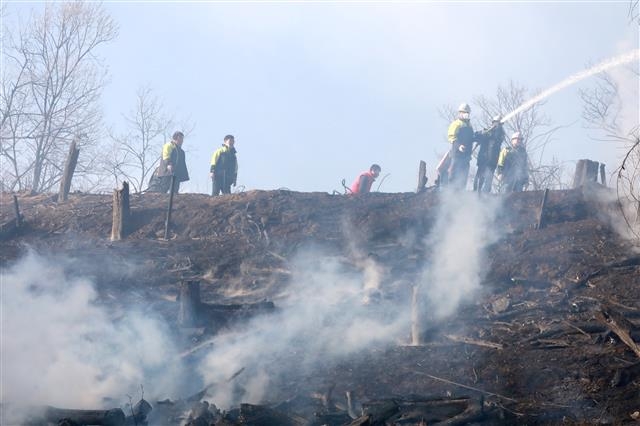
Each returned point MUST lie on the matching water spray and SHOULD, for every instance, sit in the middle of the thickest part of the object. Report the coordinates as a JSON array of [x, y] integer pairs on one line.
[[633, 55]]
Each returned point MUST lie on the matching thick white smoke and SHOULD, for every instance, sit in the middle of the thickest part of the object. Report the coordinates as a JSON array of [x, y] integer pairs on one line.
[[61, 348], [463, 230], [323, 317]]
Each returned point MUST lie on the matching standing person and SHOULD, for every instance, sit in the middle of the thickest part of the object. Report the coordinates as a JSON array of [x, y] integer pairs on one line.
[[224, 167], [490, 141], [172, 163], [513, 165], [362, 184], [460, 136]]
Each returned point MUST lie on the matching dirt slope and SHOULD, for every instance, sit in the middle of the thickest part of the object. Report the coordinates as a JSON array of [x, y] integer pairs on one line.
[[533, 343]]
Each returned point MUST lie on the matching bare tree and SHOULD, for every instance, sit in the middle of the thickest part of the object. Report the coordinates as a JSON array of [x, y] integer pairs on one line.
[[602, 112], [134, 154], [51, 87]]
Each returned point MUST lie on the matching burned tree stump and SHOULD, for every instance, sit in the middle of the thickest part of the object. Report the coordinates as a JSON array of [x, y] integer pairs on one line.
[[190, 304], [422, 176], [586, 171], [120, 224], [603, 177], [12, 227], [69, 169]]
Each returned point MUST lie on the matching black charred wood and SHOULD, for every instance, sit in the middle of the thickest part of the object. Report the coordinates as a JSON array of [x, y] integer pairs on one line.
[[113, 417], [260, 415], [380, 411], [331, 419], [624, 376]]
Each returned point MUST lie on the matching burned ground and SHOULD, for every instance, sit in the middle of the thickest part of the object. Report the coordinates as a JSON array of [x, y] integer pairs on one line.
[[540, 344]]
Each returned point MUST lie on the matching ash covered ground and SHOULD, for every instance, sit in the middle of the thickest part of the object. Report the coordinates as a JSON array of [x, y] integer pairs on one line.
[[399, 300]]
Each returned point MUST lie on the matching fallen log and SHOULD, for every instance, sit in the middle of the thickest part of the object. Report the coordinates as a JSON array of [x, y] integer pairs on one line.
[[620, 326], [112, 417], [470, 341]]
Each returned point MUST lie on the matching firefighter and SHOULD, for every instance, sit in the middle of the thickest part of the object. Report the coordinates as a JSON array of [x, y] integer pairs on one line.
[[460, 136], [224, 167], [172, 164], [363, 182], [513, 165], [490, 141]]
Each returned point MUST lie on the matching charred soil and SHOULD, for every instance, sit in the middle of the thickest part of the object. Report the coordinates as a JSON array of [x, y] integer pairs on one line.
[[542, 341]]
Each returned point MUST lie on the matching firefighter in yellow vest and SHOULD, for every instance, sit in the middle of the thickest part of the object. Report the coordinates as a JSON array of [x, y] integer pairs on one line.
[[460, 136], [513, 166]]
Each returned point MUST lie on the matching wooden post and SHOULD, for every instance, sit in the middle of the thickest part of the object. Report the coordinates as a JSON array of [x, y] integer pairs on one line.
[[416, 339], [603, 176], [69, 169], [16, 208], [543, 204], [168, 220], [120, 225], [190, 305], [422, 176]]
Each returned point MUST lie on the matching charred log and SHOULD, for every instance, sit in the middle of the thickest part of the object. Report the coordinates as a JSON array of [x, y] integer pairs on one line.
[[113, 417]]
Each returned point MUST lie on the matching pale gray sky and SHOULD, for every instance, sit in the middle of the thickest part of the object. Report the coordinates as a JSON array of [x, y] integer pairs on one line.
[[316, 92]]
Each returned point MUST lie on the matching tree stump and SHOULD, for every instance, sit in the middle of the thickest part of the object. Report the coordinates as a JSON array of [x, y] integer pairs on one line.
[[69, 169], [120, 225], [422, 176], [586, 171], [190, 304]]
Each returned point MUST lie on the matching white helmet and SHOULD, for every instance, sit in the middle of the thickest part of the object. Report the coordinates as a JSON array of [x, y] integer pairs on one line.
[[516, 135], [497, 117], [464, 107]]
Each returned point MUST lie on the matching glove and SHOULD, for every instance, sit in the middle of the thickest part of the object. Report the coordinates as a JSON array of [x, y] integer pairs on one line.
[[169, 168], [461, 148]]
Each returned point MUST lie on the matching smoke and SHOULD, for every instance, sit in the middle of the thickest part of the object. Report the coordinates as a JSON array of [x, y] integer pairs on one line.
[[59, 347], [327, 316], [464, 228], [322, 320]]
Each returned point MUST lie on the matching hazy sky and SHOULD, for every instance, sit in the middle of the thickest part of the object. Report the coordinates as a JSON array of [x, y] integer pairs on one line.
[[317, 91]]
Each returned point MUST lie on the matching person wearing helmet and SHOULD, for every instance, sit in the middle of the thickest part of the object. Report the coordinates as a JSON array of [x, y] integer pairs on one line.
[[513, 165], [490, 141], [460, 136]]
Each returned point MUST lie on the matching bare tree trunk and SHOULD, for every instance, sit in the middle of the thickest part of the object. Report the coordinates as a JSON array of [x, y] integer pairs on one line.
[[603, 177], [120, 223], [69, 169]]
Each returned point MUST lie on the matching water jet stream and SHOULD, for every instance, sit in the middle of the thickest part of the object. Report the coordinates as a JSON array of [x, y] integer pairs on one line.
[[596, 69]]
